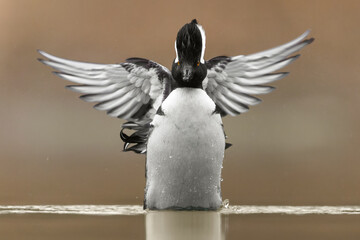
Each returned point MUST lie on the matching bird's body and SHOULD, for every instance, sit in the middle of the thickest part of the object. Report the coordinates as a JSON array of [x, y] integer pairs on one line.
[[176, 115], [185, 153]]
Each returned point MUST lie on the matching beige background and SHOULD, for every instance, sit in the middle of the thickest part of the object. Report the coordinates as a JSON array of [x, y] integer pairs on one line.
[[299, 147]]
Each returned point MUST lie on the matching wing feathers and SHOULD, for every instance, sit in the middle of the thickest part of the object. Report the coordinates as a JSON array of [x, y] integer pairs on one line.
[[86, 89], [271, 68], [258, 89], [242, 98], [231, 80], [82, 80], [74, 64], [280, 56], [276, 50], [235, 105], [108, 105], [122, 110], [120, 89], [107, 96], [268, 78]]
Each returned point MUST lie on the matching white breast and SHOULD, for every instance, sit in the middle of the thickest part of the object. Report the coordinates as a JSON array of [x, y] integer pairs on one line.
[[185, 152]]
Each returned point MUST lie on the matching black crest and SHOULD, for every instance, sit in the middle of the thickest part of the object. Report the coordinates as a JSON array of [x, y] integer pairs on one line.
[[189, 42]]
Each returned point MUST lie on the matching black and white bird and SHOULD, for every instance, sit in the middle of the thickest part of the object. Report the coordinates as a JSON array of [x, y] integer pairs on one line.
[[175, 116]]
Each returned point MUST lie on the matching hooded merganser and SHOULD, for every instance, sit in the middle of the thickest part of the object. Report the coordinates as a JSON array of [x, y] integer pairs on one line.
[[176, 115]]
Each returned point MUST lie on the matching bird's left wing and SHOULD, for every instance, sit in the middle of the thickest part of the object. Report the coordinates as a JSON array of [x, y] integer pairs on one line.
[[231, 81], [132, 90]]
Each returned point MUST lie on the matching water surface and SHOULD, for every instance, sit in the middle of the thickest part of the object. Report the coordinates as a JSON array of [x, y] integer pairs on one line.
[[127, 210], [132, 222]]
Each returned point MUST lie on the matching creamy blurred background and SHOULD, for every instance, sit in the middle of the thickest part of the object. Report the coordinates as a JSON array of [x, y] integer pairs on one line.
[[299, 147]]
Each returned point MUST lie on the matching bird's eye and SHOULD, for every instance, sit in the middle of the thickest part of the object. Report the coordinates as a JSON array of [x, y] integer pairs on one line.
[[179, 63], [198, 64]]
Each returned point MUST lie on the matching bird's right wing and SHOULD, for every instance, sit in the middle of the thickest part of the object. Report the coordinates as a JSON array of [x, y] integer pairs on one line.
[[231, 81], [132, 90]]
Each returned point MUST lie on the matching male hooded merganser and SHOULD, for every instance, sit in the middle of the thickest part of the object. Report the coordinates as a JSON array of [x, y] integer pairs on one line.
[[176, 115]]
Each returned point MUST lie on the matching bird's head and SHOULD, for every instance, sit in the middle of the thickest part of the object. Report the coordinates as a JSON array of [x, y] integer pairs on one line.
[[189, 69]]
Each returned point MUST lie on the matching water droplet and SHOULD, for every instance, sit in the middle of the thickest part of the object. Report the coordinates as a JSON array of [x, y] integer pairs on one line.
[[226, 203]]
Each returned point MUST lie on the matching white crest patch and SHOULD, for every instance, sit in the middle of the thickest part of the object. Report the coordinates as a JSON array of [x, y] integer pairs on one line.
[[203, 38], [177, 56]]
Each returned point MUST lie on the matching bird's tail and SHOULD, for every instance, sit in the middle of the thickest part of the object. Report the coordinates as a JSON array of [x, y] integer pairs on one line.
[[137, 141]]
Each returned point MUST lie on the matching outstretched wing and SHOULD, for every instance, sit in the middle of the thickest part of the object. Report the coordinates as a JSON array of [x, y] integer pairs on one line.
[[132, 90], [231, 81]]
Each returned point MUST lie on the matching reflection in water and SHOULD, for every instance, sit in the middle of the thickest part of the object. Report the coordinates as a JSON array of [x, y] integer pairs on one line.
[[176, 225]]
